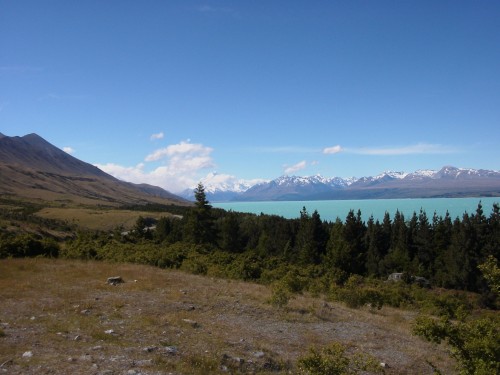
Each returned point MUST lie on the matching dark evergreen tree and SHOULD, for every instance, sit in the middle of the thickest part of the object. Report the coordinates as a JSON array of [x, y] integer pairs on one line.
[[163, 229], [311, 238], [200, 228], [443, 229], [346, 247], [230, 233], [374, 245], [397, 258], [425, 253]]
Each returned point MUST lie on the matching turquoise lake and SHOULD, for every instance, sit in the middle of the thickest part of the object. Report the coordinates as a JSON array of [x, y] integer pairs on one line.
[[330, 210]]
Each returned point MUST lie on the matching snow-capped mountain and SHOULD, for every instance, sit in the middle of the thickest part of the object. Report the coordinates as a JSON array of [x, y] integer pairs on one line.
[[221, 188], [446, 182]]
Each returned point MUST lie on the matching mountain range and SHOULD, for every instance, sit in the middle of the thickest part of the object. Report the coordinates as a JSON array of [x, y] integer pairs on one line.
[[447, 182], [32, 168]]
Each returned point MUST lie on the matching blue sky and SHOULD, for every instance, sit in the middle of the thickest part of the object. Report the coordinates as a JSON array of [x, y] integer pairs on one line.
[[167, 92]]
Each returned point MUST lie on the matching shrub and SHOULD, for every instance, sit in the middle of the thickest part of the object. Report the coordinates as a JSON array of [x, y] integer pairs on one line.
[[280, 295], [333, 360], [475, 343]]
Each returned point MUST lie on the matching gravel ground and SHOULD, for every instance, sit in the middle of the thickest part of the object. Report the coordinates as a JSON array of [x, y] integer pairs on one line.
[[61, 317]]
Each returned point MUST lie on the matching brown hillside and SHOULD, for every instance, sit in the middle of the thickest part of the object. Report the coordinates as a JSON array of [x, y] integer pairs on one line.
[[32, 168], [61, 317]]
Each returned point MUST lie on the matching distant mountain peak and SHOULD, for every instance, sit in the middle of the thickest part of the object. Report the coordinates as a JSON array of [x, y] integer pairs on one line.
[[388, 184]]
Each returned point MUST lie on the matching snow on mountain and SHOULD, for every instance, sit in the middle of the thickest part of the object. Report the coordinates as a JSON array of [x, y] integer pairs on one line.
[[219, 187], [391, 174]]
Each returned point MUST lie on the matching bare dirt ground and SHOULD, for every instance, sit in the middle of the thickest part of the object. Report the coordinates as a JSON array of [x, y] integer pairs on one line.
[[61, 317]]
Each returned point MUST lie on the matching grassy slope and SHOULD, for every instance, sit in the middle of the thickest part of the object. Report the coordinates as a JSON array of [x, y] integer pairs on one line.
[[98, 219], [59, 310]]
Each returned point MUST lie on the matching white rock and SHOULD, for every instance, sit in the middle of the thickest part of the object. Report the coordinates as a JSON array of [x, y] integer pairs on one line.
[[259, 354], [28, 354]]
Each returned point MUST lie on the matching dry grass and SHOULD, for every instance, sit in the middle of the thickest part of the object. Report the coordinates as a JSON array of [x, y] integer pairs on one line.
[[97, 219], [161, 322]]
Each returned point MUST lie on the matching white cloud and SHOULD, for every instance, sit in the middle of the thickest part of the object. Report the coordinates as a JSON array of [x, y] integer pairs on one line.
[[182, 164], [159, 135], [226, 181], [296, 167], [332, 150], [184, 149], [69, 150], [419, 148]]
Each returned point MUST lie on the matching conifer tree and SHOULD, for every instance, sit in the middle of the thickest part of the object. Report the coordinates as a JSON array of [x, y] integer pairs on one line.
[[200, 226], [230, 233]]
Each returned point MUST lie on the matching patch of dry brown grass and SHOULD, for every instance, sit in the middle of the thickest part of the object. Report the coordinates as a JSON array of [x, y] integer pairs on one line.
[[162, 321], [97, 219]]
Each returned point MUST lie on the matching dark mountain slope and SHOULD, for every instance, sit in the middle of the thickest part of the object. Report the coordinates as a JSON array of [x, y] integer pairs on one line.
[[32, 168]]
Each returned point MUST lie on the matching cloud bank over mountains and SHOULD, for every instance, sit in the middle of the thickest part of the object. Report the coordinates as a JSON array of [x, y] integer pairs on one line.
[[180, 166]]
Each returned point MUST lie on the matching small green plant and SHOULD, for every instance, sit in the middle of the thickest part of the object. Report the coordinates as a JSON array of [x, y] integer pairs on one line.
[[333, 360], [474, 343], [491, 272], [280, 295]]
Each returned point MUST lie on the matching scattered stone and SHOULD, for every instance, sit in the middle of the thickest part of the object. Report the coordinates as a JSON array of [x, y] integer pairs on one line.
[[32, 318], [115, 280], [384, 365], [239, 360], [28, 354], [98, 347], [109, 332], [133, 372], [170, 350], [258, 354], [71, 359], [85, 312], [192, 323], [77, 337], [150, 349], [143, 362], [85, 357]]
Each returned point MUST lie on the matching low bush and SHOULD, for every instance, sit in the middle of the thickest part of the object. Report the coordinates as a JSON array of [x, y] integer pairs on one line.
[[474, 343], [334, 360]]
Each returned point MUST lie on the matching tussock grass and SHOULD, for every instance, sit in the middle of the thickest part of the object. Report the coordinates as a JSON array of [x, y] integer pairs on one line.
[[97, 219], [66, 314]]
